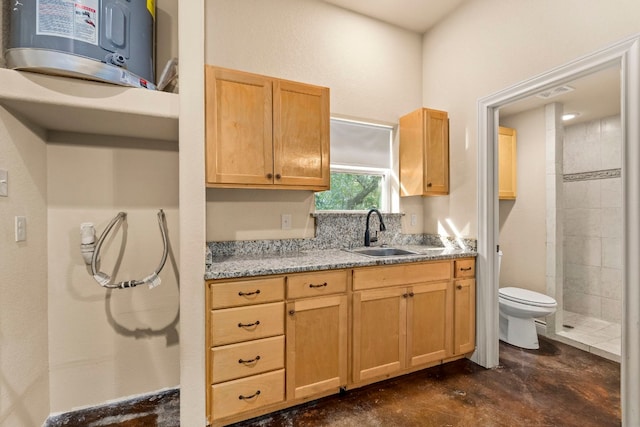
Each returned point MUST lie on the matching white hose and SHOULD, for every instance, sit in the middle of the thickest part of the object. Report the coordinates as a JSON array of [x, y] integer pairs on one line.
[[104, 279]]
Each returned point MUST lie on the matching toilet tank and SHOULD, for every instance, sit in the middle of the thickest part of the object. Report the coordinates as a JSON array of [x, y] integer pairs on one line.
[[103, 40]]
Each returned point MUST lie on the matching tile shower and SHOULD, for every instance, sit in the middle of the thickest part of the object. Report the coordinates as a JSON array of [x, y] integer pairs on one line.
[[592, 235]]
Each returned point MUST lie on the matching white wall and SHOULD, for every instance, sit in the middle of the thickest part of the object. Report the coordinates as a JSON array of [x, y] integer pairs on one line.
[[106, 345], [523, 221], [374, 71], [485, 46], [24, 376]]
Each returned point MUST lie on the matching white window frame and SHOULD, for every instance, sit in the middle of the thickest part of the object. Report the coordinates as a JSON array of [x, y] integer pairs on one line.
[[386, 195]]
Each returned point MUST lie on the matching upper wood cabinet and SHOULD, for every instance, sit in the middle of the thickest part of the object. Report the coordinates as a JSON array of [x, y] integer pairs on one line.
[[424, 153], [507, 161], [263, 132]]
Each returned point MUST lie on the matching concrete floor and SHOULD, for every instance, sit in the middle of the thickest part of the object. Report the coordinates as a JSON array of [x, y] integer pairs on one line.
[[557, 385]]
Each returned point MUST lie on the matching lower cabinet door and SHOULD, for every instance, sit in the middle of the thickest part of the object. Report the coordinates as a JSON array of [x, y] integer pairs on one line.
[[464, 340], [316, 345], [246, 394], [379, 332]]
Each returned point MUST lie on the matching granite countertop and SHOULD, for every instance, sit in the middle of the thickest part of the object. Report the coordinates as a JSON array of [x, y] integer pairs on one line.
[[234, 266]]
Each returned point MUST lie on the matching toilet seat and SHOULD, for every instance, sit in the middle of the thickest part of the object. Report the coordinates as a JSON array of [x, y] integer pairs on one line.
[[527, 297]]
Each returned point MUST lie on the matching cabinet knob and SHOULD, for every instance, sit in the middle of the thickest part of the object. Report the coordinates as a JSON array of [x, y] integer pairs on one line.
[[411, 294], [292, 312], [428, 184], [459, 286], [269, 176], [278, 176], [405, 295]]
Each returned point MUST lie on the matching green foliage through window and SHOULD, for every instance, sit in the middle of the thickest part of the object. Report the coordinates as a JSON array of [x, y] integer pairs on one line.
[[351, 191]]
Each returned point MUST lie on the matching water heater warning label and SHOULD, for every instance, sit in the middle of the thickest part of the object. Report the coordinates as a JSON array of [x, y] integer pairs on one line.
[[72, 19]]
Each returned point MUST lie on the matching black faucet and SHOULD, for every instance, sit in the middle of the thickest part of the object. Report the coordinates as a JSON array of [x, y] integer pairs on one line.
[[367, 235]]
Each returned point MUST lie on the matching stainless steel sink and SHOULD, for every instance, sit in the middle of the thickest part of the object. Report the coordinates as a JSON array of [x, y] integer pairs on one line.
[[380, 252]]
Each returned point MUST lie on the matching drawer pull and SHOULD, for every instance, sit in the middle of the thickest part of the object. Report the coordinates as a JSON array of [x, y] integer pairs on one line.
[[247, 362], [466, 269], [247, 294], [241, 397], [311, 285], [248, 325]]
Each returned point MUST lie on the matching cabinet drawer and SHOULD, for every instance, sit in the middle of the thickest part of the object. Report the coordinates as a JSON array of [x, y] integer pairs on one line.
[[234, 397], [465, 267], [314, 284], [235, 361], [402, 274], [245, 292], [231, 325]]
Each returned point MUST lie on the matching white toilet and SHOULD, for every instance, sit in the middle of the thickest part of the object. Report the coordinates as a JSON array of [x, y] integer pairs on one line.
[[518, 307]]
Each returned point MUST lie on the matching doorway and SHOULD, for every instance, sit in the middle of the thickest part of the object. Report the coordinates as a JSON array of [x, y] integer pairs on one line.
[[625, 54]]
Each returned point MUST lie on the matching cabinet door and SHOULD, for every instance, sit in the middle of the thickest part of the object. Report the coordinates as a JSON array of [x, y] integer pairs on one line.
[[429, 323], [239, 145], [379, 332], [316, 345], [424, 153], [464, 333], [507, 163], [436, 173], [301, 135]]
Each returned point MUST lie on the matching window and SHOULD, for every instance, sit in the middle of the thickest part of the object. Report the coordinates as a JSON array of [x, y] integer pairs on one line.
[[360, 167]]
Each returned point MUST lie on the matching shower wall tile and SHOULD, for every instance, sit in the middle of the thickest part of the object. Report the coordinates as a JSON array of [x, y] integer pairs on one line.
[[592, 219], [611, 283], [581, 303], [611, 310], [611, 193], [583, 250], [582, 222], [612, 253], [612, 222], [582, 194]]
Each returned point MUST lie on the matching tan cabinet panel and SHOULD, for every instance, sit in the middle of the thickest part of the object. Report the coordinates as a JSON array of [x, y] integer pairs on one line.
[[246, 394], [465, 316], [430, 323], [379, 332], [424, 153], [507, 162], [401, 274], [316, 345], [231, 325], [263, 132], [316, 284], [248, 358], [245, 292], [464, 267]]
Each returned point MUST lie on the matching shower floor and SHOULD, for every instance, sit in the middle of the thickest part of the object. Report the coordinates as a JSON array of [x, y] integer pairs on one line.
[[596, 336]]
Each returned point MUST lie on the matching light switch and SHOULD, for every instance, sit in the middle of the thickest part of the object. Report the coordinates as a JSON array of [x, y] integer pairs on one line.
[[4, 183], [21, 228]]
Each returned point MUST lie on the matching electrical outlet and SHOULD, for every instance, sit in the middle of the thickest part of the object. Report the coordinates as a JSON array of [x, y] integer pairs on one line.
[[21, 228], [285, 221], [414, 220]]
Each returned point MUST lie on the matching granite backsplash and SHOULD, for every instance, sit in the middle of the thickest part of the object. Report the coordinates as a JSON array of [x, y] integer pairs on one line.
[[337, 231]]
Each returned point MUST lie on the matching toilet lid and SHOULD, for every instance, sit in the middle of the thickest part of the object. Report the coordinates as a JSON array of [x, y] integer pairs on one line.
[[525, 296]]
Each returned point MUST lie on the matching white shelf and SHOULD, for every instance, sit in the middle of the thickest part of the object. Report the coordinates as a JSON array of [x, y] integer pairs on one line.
[[73, 105]]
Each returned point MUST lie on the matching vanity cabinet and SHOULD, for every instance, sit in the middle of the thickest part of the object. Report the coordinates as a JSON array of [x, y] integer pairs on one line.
[[507, 161], [246, 346], [317, 328], [401, 327], [263, 132], [278, 341], [424, 153]]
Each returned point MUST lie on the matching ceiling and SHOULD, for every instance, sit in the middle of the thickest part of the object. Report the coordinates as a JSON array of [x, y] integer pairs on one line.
[[595, 96], [414, 15]]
